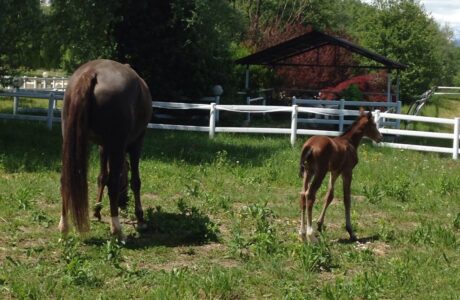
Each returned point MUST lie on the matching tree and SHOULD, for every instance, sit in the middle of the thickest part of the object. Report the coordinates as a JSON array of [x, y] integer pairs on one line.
[[181, 47], [403, 31], [20, 29], [78, 31]]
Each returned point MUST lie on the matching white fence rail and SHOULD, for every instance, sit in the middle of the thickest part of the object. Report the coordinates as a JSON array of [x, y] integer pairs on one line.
[[341, 104], [293, 111], [39, 83]]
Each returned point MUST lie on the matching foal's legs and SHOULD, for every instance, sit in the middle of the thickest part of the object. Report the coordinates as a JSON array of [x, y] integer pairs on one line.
[[101, 181], [311, 196], [116, 160], [347, 177], [134, 156], [328, 199], [307, 175]]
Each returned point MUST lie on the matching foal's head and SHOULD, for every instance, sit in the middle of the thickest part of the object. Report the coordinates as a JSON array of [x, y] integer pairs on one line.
[[368, 126]]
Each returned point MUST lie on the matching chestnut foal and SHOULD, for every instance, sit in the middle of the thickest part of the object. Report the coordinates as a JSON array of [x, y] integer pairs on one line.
[[338, 155]]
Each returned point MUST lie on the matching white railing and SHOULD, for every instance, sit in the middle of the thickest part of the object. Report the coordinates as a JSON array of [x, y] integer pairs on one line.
[[51, 96], [342, 104], [38, 83], [293, 111], [249, 101]]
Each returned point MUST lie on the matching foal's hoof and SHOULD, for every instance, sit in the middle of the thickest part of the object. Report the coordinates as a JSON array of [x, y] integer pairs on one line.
[[97, 215]]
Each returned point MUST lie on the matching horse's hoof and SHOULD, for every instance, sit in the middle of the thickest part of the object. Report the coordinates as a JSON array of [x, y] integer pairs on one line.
[[353, 238]]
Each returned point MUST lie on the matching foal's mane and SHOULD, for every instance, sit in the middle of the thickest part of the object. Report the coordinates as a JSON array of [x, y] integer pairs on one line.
[[353, 125]]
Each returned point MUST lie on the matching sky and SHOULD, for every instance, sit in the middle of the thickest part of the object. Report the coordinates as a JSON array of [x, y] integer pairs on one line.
[[444, 12]]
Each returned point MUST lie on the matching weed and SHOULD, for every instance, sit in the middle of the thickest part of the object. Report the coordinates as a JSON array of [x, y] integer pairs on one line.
[[77, 268], [457, 222], [314, 257], [373, 193]]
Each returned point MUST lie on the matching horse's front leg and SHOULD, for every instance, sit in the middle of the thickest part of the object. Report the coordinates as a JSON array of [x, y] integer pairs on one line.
[[347, 177]]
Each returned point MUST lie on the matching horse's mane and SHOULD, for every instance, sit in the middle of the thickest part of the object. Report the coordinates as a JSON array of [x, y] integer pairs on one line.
[[352, 126]]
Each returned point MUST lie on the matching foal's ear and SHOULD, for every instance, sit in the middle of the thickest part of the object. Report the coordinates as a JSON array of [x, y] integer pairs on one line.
[[362, 112], [369, 115]]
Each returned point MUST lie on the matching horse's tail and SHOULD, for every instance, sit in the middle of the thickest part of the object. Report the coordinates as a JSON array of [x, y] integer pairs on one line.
[[74, 186], [306, 151]]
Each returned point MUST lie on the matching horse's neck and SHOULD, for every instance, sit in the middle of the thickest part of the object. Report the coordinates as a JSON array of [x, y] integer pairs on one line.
[[354, 136]]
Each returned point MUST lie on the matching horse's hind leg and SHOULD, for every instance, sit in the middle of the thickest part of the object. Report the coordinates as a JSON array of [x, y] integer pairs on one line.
[[307, 175], [327, 200], [311, 196], [134, 156], [101, 182], [116, 161], [64, 222]]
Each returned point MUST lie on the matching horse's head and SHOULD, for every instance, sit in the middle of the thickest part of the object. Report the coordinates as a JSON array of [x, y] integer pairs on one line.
[[370, 127]]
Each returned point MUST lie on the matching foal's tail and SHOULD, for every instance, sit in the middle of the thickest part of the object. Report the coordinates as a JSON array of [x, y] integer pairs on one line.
[[74, 186], [306, 151]]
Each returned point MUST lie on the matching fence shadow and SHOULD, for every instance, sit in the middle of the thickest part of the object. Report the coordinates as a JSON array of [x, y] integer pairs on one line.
[[29, 147]]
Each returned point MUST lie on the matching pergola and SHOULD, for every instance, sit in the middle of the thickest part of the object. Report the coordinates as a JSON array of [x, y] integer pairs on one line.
[[314, 40]]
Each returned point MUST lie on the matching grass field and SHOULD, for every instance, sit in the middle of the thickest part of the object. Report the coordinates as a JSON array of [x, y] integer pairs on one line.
[[223, 216]]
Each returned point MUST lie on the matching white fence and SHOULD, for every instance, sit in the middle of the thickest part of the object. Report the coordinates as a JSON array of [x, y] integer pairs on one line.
[[51, 96], [341, 105], [293, 131], [38, 83]]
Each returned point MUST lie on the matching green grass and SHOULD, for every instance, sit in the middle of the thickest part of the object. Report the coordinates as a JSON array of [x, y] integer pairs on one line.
[[223, 216]]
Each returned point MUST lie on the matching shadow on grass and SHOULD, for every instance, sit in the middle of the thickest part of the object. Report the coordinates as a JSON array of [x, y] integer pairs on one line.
[[187, 227], [363, 240], [29, 146]]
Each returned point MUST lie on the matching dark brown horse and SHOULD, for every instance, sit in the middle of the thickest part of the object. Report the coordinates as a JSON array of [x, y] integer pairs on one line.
[[109, 104], [339, 155]]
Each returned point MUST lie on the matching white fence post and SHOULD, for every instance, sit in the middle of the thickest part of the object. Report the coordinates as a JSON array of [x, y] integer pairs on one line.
[[378, 122], [455, 143], [398, 111], [294, 124], [212, 121], [49, 121], [341, 118], [248, 115]]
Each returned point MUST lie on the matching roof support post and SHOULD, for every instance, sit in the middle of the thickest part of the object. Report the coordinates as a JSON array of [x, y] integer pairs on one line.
[[397, 85], [389, 86], [246, 82]]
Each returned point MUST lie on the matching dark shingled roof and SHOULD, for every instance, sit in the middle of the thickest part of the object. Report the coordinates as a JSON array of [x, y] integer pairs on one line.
[[274, 56]]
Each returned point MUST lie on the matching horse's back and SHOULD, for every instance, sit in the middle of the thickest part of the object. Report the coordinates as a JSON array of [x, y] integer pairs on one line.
[[121, 102], [326, 152]]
